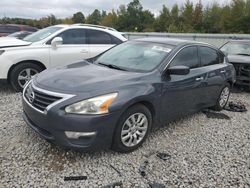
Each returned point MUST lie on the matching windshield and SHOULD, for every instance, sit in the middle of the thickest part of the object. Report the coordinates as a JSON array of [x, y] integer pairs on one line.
[[135, 56], [236, 48], [41, 34]]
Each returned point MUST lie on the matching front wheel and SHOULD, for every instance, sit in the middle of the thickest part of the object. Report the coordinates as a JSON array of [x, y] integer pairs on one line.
[[22, 74], [223, 98], [132, 129]]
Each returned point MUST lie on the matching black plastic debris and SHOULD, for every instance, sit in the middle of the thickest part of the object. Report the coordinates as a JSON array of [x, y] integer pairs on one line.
[[163, 156], [143, 168], [113, 185], [236, 107], [115, 169], [156, 185], [75, 178], [215, 115]]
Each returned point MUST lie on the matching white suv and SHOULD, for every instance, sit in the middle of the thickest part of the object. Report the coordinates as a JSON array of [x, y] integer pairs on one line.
[[51, 47]]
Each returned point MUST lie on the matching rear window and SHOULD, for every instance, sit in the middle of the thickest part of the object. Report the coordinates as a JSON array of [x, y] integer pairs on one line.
[[209, 56], [99, 37]]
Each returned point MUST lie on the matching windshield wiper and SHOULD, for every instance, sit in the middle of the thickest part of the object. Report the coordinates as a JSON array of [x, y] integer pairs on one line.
[[111, 66], [243, 54]]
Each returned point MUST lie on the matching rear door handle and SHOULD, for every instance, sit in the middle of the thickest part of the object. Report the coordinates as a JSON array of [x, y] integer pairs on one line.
[[223, 71], [199, 79]]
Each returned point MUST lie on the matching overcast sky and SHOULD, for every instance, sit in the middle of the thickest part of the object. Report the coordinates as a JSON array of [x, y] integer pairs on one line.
[[66, 8]]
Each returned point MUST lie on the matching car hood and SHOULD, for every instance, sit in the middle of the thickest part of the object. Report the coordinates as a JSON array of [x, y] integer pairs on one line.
[[239, 59], [84, 77], [6, 42]]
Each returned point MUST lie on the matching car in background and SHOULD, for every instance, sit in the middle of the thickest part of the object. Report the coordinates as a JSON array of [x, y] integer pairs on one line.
[[238, 53], [20, 34], [53, 46], [7, 29], [116, 100]]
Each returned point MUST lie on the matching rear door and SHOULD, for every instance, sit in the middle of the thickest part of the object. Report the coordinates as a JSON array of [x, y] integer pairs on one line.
[[212, 64], [100, 41], [181, 93], [73, 49]]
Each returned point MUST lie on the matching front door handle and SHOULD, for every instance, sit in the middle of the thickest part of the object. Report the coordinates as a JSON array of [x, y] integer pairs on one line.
[[199, 79], [84, 51], [223, 71]]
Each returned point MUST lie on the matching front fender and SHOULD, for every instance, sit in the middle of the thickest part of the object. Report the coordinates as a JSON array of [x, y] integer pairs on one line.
[[144, 93]]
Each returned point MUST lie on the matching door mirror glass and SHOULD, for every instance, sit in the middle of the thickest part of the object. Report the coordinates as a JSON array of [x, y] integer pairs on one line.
[[178, 70], [57, 41]]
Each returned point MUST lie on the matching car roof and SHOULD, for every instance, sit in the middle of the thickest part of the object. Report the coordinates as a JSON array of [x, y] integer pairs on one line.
[[90, 26], [171, 41]]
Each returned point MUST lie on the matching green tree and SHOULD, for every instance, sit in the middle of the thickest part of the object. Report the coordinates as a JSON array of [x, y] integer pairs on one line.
[[175, 19], [110, 20], [163, 22], [211, 19], [225, 19], [78, 18], [197, 17], [187, 16], [94, 18], [238, 13]]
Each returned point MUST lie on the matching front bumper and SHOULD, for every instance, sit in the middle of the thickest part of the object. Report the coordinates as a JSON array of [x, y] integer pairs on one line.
[[52, 127], [242, 74]]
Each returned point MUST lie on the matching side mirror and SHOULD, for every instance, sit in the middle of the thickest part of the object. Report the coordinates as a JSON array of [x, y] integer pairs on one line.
[[56, 41], [178, 70]]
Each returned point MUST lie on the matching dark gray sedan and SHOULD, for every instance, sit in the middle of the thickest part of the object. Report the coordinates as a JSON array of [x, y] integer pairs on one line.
[[116, 100]]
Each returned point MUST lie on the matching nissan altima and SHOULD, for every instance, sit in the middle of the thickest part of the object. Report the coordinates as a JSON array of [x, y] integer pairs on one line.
[[115, 100]]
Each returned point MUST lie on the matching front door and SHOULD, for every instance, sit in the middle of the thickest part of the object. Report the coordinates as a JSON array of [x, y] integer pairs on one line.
[[73, 49], [181, 93]]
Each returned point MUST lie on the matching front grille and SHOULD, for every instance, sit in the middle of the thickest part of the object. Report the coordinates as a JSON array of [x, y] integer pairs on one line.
[[39, 100], [242, 69]]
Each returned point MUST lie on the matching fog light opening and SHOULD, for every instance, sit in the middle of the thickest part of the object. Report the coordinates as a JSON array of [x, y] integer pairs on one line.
[[77, 135]]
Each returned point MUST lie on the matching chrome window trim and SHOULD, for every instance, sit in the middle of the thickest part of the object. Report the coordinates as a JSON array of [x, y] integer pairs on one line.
[[62, 95]]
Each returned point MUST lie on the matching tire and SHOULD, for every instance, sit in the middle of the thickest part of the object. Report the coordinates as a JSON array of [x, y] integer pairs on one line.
[[21, 71], [224, 96], [145, 120]]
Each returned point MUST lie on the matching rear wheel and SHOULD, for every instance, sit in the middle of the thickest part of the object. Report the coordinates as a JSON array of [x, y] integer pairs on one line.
[[223, 98], [132, 129], [22, 74]]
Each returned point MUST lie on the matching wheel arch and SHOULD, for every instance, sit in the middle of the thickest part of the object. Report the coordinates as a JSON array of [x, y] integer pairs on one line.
[[25, 61], [147, 103]]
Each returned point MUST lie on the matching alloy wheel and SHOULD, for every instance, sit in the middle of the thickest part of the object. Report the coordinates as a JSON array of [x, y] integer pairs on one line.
[[134, 129], [224, 96], [25, 76]]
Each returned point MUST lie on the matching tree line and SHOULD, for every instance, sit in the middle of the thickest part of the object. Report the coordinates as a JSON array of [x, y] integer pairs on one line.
[[186, 18]]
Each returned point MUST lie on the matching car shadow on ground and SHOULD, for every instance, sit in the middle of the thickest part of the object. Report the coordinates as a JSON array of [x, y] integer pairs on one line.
[[6, 88]]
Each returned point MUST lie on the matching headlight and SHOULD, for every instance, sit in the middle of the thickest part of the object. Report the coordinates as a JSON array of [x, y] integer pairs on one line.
[[1, 52], [96, 105]]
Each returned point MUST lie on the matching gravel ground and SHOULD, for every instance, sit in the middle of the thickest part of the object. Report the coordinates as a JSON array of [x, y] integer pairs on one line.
[[203, 153]]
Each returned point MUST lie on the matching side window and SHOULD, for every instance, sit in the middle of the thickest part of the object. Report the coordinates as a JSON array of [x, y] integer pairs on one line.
[[209, 56], [187, 57], [73, 36], [99, 37]]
